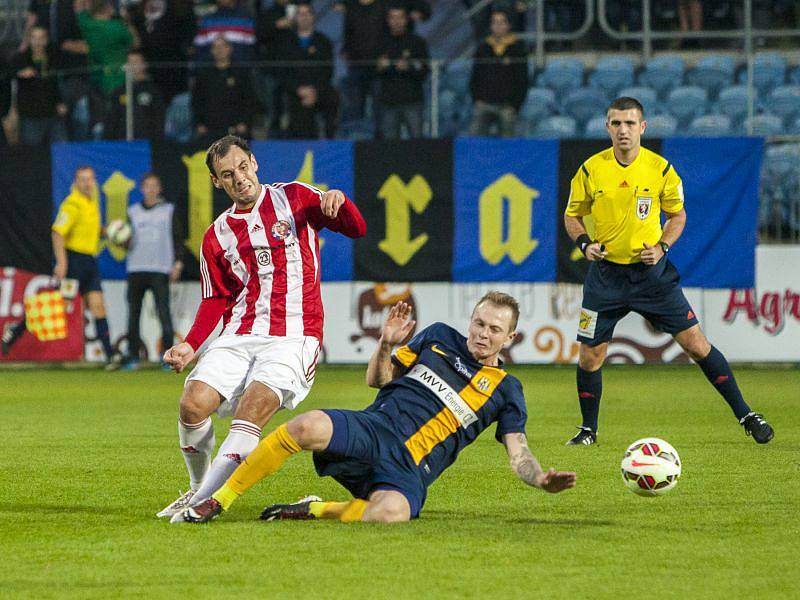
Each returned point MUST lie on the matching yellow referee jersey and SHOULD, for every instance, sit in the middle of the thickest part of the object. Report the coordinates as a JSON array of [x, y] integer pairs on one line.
[[625, 203], [78, 220]]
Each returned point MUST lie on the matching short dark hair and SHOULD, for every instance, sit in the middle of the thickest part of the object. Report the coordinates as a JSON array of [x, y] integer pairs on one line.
[[503, 300], [83, 168], [150, 175], [626, 103], [221, 147]]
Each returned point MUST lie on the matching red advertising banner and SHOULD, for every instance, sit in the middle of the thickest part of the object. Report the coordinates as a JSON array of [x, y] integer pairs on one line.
[[57, 321]]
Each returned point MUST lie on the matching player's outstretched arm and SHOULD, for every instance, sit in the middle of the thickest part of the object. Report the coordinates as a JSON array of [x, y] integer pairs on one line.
[[396, 329], [528, 469]]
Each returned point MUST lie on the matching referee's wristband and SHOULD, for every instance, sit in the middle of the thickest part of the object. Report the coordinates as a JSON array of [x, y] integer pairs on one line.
[[664, 247], [582, 241]]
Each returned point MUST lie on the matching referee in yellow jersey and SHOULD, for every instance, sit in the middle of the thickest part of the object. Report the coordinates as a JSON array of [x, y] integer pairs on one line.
[[76, 240], [625, 189]]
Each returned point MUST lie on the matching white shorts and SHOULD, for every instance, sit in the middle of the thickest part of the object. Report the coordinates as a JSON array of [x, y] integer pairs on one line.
[[286, 365]]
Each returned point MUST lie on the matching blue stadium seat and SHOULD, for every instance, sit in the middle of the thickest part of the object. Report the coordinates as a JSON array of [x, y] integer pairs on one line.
[[645, 95], [765, 125], [562, 74], [661, 126], [178, 119], [712, 73], [711, 126], [769, 71], [780, 160], [584, 103], [612, 73], [732, 102], [456, 76], [784, 101], [556, 127], [539, 103], [663, 73], [686, 102], [595, 128]]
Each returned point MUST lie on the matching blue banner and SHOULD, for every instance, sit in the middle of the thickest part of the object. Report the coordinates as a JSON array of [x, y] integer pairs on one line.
[[119, 167], [505, 210], [720, 183], [323, 164]]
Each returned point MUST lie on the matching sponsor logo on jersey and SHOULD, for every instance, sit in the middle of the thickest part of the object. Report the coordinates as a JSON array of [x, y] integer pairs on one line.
[[447, 395], [643, 204], [459, 366], [263, 257]]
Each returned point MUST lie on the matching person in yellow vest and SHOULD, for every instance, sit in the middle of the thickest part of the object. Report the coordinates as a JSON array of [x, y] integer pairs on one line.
[[625, 189], [76, 240]]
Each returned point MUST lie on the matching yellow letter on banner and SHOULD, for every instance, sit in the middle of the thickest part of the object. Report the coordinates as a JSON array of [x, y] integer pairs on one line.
[[201, 200], [519, 197], [400, 199], [306, 175], [117, 188]]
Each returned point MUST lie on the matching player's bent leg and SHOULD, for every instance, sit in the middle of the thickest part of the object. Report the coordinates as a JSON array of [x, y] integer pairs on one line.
[[386, 506], [96, 306], [589, 380], [719, 373], [312, 430]]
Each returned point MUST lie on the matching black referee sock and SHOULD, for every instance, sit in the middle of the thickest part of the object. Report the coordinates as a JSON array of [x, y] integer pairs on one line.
[[590, 388], [718, 372], [101, 325]]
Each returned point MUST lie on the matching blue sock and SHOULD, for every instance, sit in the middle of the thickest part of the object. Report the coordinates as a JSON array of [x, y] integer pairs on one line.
[[101, 325], [590, 388], [718, 372]]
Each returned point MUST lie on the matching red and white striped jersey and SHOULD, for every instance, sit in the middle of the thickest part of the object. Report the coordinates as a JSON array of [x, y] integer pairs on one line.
[[266, 262]]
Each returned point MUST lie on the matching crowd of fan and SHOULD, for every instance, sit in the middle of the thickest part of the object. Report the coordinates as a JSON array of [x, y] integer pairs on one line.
[[71, 82]]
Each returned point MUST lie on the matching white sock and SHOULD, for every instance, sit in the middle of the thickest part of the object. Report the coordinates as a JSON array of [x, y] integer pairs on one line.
[[242, 439], [197, 445]]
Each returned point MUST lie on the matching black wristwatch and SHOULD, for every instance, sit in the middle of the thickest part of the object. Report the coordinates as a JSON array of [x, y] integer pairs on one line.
[[582, 241], [664, 246]]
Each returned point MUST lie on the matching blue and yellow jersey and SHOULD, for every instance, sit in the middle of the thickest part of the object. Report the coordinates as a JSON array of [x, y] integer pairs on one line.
[[78, 221], [445, 399], [625, 202]]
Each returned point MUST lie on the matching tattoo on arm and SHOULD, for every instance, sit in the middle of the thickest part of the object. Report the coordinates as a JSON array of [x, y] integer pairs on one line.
[[524, 463]]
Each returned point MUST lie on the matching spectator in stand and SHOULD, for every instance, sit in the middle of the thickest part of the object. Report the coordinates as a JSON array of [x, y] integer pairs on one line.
[[58, 17], [39, 105], [166, 29], [148, 105], [499, 79], [109, 38], [364, 30], [516, 11], [402, 68], [313, 103], [235, 24], [222, 100]]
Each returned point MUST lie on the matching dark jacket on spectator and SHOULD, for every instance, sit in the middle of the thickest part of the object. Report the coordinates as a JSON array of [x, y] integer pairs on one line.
[[400, 87], [364, 28], [500, 72], [222, 98], [317, 52], [148, 112], [38, 96]]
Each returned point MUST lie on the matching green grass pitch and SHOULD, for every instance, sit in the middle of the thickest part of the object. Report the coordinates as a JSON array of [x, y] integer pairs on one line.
[[89, 457]]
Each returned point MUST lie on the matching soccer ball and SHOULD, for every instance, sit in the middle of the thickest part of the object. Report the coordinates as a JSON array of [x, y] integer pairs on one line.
[[118, 232], [651, 467]]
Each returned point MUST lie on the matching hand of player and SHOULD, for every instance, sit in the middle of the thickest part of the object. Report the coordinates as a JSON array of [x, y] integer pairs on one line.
[[652, 254], [331, 201], [398, 325], [595, 251], [59, 271], [556, 481], [179, 356]]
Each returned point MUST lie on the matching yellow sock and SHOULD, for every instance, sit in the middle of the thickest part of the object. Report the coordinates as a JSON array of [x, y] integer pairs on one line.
[[225, 496], [268, 457], [346, 512]]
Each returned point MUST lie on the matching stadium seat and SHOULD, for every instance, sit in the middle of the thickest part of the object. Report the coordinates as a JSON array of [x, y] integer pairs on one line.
[[686, 102], [732, 102], [663, 73], [645, 95], [661, 126], [765, 125], [784, 101], [612, 73], [456, 76], [769, 71], [712, 73], [710, 126], [562, 74], [178, 119], [584, 103], [780, 160], [596, 128], [539, 103], [556, 127]]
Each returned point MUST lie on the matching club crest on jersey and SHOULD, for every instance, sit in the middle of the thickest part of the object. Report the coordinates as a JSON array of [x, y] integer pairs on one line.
[[643, 204], [281, 230], [262, 256], [483, 384]]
